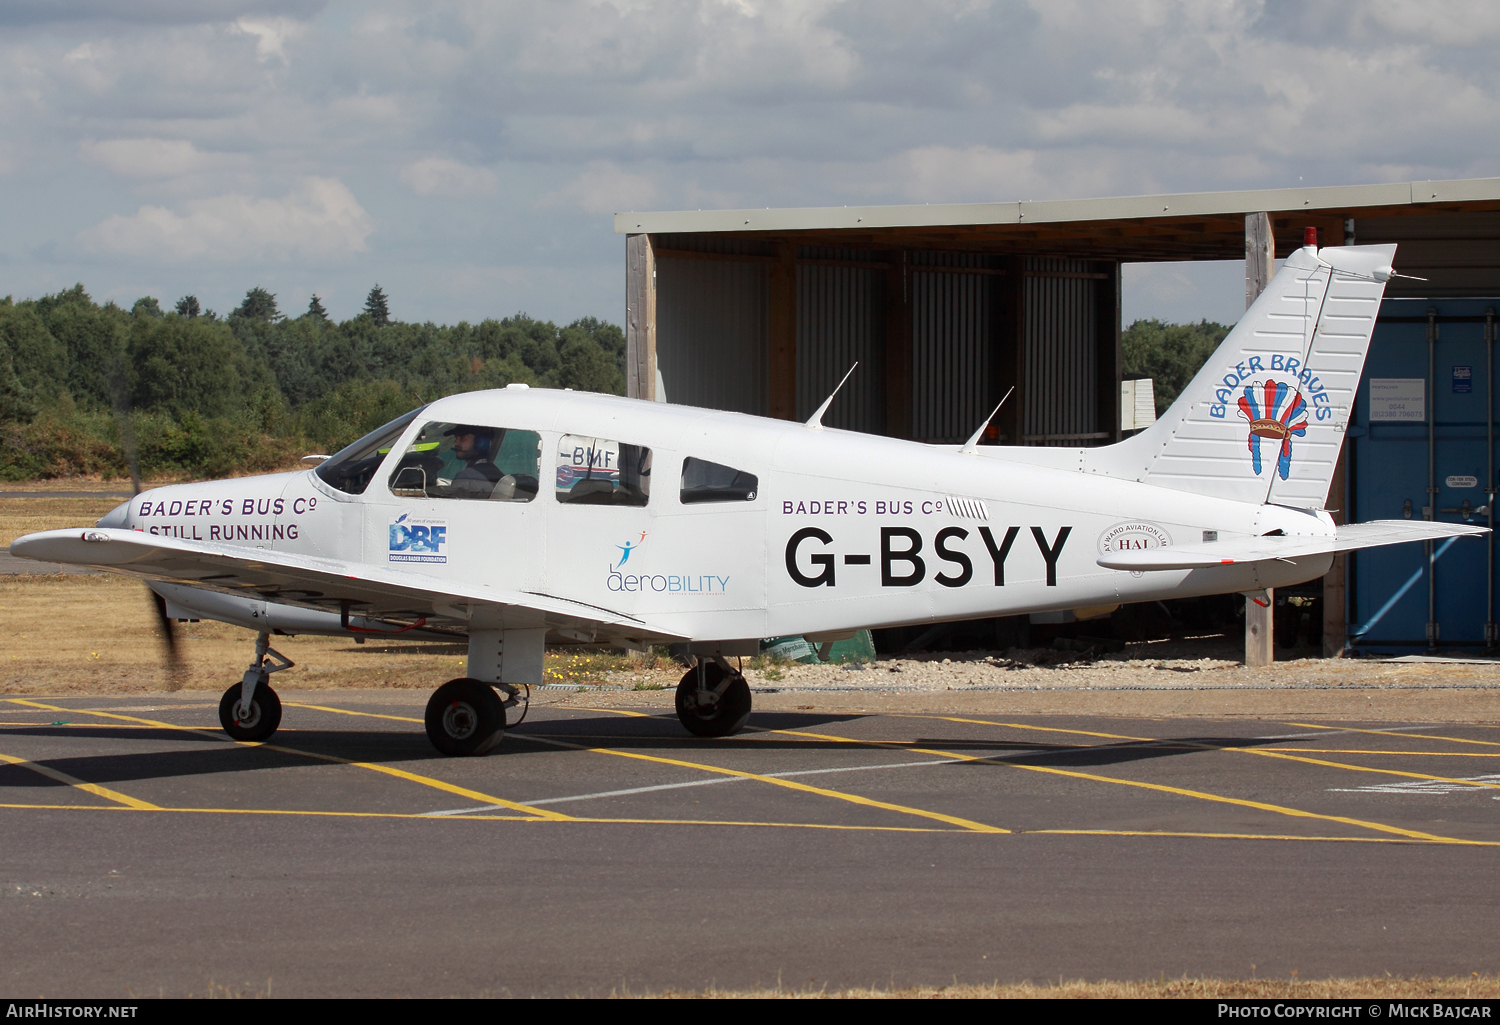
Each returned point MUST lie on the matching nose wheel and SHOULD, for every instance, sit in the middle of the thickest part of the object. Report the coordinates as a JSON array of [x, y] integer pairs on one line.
[[256, 724], [713, 701]]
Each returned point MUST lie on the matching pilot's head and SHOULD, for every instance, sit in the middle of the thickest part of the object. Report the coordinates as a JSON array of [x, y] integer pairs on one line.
[[469, 442]]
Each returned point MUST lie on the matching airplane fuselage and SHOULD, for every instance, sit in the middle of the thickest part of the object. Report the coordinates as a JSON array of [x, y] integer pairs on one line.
[[841, 530]]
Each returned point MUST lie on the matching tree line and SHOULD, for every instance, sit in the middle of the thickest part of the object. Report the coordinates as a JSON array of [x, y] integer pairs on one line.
[[1169, 354], [204, 394], [207, 395]]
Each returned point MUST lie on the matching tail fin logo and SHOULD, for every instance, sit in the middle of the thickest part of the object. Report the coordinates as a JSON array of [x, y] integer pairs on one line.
[[1275, 411]]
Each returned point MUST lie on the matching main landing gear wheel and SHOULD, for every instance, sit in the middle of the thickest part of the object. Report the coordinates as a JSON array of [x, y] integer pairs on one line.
[[465, 717], [264, 717], [705, 715]]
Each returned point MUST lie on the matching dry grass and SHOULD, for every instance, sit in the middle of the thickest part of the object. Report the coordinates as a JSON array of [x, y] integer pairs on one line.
[[78, 484], [1388, 988], [25, 515], [99, 634]]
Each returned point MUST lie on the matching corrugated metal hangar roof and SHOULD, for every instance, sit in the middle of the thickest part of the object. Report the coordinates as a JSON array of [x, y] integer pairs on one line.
[[1182, 226]]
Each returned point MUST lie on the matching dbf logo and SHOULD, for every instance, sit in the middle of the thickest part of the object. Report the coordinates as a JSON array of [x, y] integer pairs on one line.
[[417, 539]]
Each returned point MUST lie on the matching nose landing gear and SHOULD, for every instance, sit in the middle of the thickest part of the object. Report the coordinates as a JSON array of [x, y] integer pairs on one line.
[[250, 711], [713, 699]]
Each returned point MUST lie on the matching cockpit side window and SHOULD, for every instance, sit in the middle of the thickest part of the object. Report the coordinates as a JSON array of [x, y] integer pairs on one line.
[[597, 471], [703, 481], [447, 460], [350, 469]]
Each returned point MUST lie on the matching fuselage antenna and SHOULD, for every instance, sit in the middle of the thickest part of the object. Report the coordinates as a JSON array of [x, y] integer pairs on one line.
[[816, 420], [972, 445]]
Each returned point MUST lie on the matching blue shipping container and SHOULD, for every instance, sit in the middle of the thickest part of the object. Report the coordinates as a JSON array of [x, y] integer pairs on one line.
[[1425, 412]]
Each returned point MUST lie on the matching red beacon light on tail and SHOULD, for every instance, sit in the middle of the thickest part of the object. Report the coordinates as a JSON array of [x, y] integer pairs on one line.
[[1310, 237]]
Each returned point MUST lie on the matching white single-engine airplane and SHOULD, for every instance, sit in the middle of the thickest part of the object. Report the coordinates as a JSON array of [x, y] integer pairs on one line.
[[522, 517]]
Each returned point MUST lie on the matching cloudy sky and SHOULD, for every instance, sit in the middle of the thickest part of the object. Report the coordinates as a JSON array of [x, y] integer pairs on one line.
[[468, 155]]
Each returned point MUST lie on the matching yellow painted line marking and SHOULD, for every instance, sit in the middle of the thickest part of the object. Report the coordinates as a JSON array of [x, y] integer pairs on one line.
[[428, 781], [1038, 729], [969, 824], [618, 711], [126, 718], [778, 825], [1282, 753], [1377, 751], [1393, 733], [1361, 768], [345, 711], [437, 784], [72, 807], [789, 784], [86, 725], [1238, 836], [1269, 753], [90, 788], [485, 818], [1159, 787]]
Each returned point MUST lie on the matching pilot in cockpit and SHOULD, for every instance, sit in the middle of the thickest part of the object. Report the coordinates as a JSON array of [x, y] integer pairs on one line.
[[476, 471]]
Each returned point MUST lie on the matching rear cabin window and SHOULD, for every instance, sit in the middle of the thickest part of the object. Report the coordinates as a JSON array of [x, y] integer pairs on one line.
[[469, 461], [598, 471], [703, 481], [350, 469]]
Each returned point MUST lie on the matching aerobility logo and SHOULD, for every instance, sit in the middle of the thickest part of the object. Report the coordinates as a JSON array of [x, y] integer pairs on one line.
[[417, 538], [664, 583], [627, 549]]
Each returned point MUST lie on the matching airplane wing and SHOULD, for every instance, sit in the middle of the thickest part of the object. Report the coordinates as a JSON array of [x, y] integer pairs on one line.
[[1261, 549], [372, 592]]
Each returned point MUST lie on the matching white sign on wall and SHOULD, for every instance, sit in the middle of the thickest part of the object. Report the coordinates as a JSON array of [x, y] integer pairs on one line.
[[1398, 398]]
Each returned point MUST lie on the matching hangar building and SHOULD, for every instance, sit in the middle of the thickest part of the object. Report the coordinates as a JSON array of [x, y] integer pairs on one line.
[[947, 307]]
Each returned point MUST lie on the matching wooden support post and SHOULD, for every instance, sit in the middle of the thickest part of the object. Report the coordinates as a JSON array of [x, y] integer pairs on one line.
[[1260, 264], [1334, 582], [898, 346], [640, 317], [1109, 357], [1010, 349], [781, 391]]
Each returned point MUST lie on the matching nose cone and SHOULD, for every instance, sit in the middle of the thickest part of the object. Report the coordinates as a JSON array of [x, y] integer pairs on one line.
[[119, 516]]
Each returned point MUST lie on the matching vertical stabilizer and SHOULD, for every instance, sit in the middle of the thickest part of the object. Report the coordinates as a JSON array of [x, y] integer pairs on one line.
[[1264, 419]]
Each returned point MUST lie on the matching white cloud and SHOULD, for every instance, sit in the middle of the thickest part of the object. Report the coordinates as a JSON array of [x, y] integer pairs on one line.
[[564, 112], [271, 35], [318, 219], [154, 158], [605, 189], [435, 176]]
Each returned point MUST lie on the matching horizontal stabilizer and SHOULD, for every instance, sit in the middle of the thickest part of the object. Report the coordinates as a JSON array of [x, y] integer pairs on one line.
[[1263, 549]]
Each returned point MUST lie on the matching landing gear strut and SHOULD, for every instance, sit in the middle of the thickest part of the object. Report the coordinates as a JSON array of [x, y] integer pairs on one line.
[[250, 710], [713, 699]]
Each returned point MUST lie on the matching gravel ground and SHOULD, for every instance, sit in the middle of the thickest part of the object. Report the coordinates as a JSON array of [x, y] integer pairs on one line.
[[1209, 663]]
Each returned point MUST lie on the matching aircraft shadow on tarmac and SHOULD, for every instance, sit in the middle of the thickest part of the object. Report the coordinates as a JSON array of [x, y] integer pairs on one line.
[[303, 748]]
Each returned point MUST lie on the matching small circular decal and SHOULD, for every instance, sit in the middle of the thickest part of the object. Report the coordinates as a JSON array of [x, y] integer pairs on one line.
[[1133, 537]]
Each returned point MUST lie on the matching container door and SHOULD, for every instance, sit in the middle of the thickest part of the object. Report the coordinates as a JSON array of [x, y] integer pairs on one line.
[[1424, 414]]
